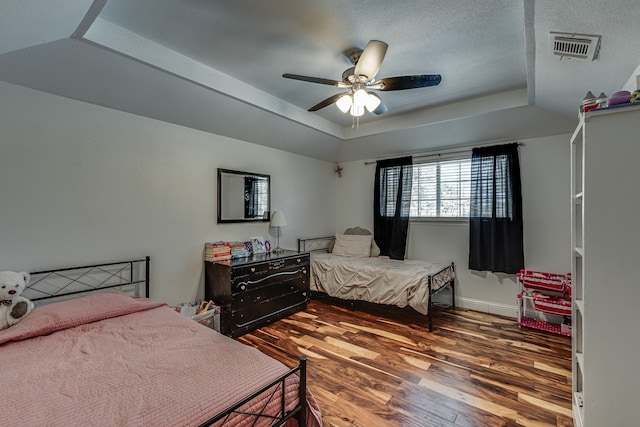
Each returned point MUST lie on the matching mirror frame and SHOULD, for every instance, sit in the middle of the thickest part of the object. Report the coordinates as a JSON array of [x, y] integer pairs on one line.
[[266, 218]]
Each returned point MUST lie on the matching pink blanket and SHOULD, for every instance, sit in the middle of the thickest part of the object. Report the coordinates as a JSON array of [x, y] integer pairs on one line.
[[110, 359]]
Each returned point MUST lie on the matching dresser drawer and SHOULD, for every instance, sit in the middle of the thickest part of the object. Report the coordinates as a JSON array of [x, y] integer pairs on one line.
[[268, 278], [247, 299], [251, 314], [269, 267]]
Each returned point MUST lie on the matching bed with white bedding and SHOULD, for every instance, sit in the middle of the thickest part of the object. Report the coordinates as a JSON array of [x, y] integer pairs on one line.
[[376, 279]]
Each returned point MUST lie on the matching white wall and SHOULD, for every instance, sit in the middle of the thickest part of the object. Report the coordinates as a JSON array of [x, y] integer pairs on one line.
[[84, 184], [545, 191]]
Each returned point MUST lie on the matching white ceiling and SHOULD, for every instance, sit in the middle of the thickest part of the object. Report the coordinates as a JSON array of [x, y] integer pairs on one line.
[[217, 65]]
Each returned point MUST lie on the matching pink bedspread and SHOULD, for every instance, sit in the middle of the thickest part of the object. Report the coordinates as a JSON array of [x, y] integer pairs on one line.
[[113, 360]]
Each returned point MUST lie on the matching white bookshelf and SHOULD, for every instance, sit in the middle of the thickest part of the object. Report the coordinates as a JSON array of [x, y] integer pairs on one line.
[[605, 231]]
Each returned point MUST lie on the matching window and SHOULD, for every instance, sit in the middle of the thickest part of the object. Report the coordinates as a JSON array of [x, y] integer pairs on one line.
[[441, 189]]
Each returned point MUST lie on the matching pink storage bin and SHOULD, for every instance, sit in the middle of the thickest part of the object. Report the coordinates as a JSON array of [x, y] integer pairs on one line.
[[545, 282], [551, 304]]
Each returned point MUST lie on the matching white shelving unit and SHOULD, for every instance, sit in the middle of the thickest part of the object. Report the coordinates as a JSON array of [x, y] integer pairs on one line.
[[605, 223]]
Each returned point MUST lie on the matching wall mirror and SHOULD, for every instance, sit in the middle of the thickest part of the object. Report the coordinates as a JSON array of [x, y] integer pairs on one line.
[[243, 196]]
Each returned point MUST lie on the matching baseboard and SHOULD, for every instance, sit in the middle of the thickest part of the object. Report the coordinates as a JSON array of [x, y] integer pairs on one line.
[[445, 298], [483, 306]]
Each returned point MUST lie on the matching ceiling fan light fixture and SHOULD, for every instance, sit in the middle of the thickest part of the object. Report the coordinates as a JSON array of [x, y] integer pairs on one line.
[[373, 102], [380, 110], [344, 103], [360, 98], [356, 110]]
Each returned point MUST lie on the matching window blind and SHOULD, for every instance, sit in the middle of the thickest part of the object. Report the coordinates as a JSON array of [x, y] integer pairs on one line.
[[441, 189]]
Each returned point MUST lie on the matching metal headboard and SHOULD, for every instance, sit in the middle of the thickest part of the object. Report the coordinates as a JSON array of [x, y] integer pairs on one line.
[[128, 276], [315, 244]]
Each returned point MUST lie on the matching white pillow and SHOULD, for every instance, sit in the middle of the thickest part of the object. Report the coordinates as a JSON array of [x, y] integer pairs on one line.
[[375, 250], [352, 245]]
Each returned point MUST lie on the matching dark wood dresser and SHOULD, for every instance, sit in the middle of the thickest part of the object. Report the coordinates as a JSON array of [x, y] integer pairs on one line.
[[255, 291]]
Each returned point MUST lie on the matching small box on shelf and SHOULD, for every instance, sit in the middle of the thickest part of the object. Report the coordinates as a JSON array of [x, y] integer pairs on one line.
[[565, 327]]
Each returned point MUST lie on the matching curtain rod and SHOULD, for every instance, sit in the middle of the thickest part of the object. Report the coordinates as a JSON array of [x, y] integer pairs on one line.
[[422, 156]]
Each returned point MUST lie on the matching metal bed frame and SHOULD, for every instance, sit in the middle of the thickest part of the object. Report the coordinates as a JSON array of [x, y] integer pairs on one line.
[[52, 285], [129, 276], [320, 244], [299, 411]]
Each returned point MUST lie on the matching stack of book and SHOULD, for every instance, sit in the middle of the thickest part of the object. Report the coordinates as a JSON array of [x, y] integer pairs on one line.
[[217, 251], [238, 250]]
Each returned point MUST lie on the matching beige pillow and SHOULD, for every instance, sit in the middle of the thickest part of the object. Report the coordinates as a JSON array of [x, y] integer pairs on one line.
[[352, 245], [375, 250], [359, 231]]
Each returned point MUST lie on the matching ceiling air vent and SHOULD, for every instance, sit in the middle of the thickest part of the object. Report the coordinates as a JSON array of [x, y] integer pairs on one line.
[[572, 45]]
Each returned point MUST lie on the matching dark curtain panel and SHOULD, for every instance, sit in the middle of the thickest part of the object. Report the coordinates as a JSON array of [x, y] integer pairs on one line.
[[251, 197], [392, 200], [495, 222]]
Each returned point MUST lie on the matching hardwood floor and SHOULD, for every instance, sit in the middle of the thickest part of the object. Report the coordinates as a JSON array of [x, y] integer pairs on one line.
[[474, 369]]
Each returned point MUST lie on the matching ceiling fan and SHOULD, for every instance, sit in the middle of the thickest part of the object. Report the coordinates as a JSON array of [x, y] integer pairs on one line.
[[360, 79]]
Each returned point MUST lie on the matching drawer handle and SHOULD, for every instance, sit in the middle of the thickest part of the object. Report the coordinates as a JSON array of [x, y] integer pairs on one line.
[[242, 285]]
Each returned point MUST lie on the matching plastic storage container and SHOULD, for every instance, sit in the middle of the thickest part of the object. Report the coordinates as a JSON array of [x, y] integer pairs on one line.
[[544, 301]]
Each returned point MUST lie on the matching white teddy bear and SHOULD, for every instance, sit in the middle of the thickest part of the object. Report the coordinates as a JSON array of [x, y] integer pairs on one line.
[[13, 307]]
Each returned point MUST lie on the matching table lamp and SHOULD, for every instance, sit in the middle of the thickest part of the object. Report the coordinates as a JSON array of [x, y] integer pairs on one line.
[[278, 220]]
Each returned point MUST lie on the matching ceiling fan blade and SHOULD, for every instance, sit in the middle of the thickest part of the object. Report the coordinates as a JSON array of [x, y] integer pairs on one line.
[[312, 79], [407, 82], [328, 101], [371, 59]]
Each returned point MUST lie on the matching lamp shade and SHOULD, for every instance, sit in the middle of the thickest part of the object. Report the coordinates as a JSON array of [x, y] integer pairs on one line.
[[278, 219], [360, 98], [344, 103], [373, 101]]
